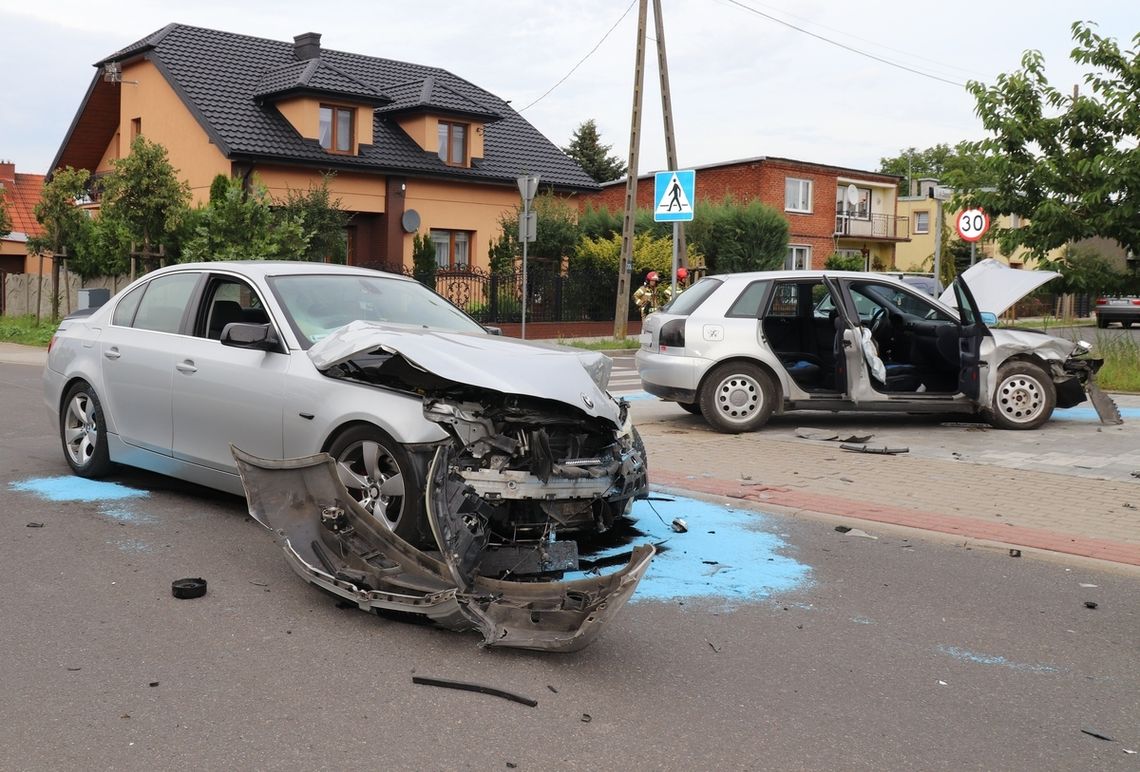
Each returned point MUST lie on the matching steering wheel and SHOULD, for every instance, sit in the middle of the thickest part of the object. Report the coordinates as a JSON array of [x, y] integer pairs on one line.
[[881, 328]]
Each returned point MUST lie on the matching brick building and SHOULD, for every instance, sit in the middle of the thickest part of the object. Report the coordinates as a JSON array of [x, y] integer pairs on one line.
[[830, 209], [21, 193]]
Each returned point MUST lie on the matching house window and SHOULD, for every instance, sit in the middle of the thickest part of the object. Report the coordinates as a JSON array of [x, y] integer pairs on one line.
[[336, 128], [452, 248], [859, 208], [136, 128], [797, 195], [799, 258], [453, 143], [922, 222]]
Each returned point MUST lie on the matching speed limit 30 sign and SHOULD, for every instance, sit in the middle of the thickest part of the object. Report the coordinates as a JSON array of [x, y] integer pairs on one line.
[[973, 224]]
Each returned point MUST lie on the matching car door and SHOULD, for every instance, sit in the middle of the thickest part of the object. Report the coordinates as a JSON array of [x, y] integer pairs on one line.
[[971, 334], [850, 369], [138, 354], [225, 394]]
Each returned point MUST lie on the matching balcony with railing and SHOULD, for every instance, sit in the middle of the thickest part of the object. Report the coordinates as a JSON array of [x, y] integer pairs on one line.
[[888, 227]]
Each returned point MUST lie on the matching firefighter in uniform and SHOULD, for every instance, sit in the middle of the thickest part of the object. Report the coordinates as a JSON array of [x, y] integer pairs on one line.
[[650, 296]]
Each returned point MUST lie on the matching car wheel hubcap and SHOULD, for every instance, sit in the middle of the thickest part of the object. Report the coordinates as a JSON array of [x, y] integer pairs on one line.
[[80, 433], [1021, 398], [738, 397], [372, 476]]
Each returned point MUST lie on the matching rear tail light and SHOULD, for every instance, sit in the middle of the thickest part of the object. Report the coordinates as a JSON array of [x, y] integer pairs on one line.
[[672, 334], [1136, 301], [1101, 301], [51, 342]]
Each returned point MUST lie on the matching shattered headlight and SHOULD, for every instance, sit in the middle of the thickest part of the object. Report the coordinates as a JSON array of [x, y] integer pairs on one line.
[[1081, 347]]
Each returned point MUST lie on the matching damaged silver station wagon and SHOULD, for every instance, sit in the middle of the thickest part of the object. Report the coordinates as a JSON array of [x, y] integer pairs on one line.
[[405, 458], [739, 347]]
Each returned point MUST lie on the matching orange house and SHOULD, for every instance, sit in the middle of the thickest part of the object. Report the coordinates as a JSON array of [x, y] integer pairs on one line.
[[20, 193], [413, 148]]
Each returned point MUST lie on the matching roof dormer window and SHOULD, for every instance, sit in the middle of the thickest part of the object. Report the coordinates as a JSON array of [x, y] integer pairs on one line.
[[453, 143], [336, 128]]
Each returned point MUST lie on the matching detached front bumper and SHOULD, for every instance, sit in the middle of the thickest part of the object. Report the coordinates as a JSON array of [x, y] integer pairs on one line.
[[330, 541], [1078, 379]]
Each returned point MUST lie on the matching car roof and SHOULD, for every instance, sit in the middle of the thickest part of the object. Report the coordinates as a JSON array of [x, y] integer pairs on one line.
[[260, 269], [757, 275]]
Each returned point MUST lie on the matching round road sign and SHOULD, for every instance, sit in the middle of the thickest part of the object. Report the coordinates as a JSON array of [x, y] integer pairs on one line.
[[973, 224]]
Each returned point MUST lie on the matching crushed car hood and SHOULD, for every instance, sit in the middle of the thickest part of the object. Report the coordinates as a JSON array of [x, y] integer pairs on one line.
[[996, 286], [505, 365]]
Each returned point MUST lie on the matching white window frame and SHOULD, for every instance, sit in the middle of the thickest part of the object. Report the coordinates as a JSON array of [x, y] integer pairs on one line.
[[799, 258], [925, 229], [794, 198]]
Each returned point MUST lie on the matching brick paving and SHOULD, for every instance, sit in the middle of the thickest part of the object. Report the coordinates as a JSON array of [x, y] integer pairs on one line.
[[1055, 511]]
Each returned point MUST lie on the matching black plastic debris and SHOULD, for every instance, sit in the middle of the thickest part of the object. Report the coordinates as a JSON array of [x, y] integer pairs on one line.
[[464, 686], [1015, 553], [883, 451], [1090, 604], [153, 684], [587, 718], [34, 525], [185, 589], [842, 528], [1097, 735]]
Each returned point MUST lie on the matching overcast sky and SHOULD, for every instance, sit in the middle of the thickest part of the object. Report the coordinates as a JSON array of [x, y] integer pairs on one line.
[[743, 85]]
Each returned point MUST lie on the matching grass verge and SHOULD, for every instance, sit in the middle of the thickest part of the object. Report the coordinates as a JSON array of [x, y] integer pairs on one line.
[[1121, 369], [25, 330], [608, 344]]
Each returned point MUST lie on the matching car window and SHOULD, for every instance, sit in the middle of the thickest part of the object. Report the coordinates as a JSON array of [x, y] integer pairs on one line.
[[126, 307], [785, 301], [229, 300], [748, 304], [686, 302], [164, 302], [317, 304]]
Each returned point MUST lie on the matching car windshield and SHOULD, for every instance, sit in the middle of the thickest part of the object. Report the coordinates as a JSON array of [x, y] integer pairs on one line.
[[317, 304]]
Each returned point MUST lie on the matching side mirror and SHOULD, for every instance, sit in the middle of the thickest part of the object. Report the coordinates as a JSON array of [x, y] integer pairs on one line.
[[988, 318], [254, 336], [493, 330]]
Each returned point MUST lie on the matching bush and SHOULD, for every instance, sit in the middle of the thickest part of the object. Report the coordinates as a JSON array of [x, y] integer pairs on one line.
[[739, 237], [424, 265], [837, 262]]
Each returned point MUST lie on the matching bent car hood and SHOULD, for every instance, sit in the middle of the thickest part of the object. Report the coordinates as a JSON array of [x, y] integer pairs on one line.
[[505, 365], [996, 286]]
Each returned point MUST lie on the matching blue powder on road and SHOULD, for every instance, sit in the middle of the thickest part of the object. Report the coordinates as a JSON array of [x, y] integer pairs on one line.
[[1089, 414], [70, 488], [127, 515], [992, 659], [726, 555], [133, 546]]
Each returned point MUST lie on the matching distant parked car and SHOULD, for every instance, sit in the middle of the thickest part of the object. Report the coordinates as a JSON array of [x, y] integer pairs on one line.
[[736, 348], [1123, 309]]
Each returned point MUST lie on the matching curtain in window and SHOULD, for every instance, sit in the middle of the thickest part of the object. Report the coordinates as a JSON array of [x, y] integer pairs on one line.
[[325, 133], [344, 130], [442, 241]]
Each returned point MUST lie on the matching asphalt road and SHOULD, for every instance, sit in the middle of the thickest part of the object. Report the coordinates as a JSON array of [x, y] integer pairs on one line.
[[895, 653]]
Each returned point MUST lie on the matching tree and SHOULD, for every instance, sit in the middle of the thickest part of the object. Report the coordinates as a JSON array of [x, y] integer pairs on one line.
[[1066, 163], [144, 193], [241, 225], [424, 265], [587, 149], [5, 219], [958, 166], [739, 237], [556, 232], [320, 219]]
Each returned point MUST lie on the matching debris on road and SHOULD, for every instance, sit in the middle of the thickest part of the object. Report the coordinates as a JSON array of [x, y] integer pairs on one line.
[[679, 525], [842, 528], [860, 533], [35, 525], [1097, 735], [586, 718], [883, 451], [185, 589], [1015, 553], [713, 646], [827, 436], [464, 686], [1090, 604]]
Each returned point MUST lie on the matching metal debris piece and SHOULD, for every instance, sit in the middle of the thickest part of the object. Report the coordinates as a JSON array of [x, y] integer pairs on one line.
[[884, 451], [826, 436], [469, 687], [679, 525], [1097, 735], [1106, 409]]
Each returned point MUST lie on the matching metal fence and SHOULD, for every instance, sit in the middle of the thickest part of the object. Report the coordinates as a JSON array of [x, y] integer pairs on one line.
[[581, 295]]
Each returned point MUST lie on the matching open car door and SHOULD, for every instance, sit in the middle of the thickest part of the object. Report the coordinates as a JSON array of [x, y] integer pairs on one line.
[[970, 336], [849, 368]]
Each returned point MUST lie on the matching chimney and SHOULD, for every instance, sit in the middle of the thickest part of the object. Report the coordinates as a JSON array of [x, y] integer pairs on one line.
[[307, 46], [7, 173]]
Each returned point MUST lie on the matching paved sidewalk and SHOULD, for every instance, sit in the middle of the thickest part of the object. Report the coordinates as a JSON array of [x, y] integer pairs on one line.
[[14, 353], [978, 494]]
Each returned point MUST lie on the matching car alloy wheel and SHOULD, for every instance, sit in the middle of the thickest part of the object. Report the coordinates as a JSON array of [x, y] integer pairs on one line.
[[81, 430], [1024, 397], [737, 397], [374, 469]]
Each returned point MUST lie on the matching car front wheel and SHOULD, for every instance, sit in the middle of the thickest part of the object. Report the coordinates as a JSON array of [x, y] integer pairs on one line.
[[376, 471], [1024, 397], [83, 432], [737, 397]]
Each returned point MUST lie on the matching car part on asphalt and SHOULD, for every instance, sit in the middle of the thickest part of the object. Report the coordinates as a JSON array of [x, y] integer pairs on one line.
[[464, 686], [331, 541], [185, 589], [884, 451]]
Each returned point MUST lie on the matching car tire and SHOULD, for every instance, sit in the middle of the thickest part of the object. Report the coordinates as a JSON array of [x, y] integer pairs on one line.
[[83, 432], [737, 397], [376, 471], [1024, 397], [690, 407], [1101, 322], [1126, 324]]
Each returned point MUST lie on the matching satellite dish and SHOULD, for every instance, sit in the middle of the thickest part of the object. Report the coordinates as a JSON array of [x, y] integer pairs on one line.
[[852, 194], [410, 221]]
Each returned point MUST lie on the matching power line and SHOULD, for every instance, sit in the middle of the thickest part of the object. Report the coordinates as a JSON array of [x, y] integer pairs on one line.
[[844, 46], [583, 59]]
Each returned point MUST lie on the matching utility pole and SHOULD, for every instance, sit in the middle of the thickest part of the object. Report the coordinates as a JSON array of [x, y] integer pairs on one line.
[[621, 311], [680, 253]]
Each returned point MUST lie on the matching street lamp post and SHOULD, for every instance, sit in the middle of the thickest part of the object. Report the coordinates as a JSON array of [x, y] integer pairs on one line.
[[528, 186]]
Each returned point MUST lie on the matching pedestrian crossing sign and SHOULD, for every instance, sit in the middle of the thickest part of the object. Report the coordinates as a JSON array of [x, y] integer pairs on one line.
[[674, 195]]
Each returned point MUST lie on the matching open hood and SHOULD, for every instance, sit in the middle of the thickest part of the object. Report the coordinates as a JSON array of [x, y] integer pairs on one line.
[[996, 286], [505, 365]]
